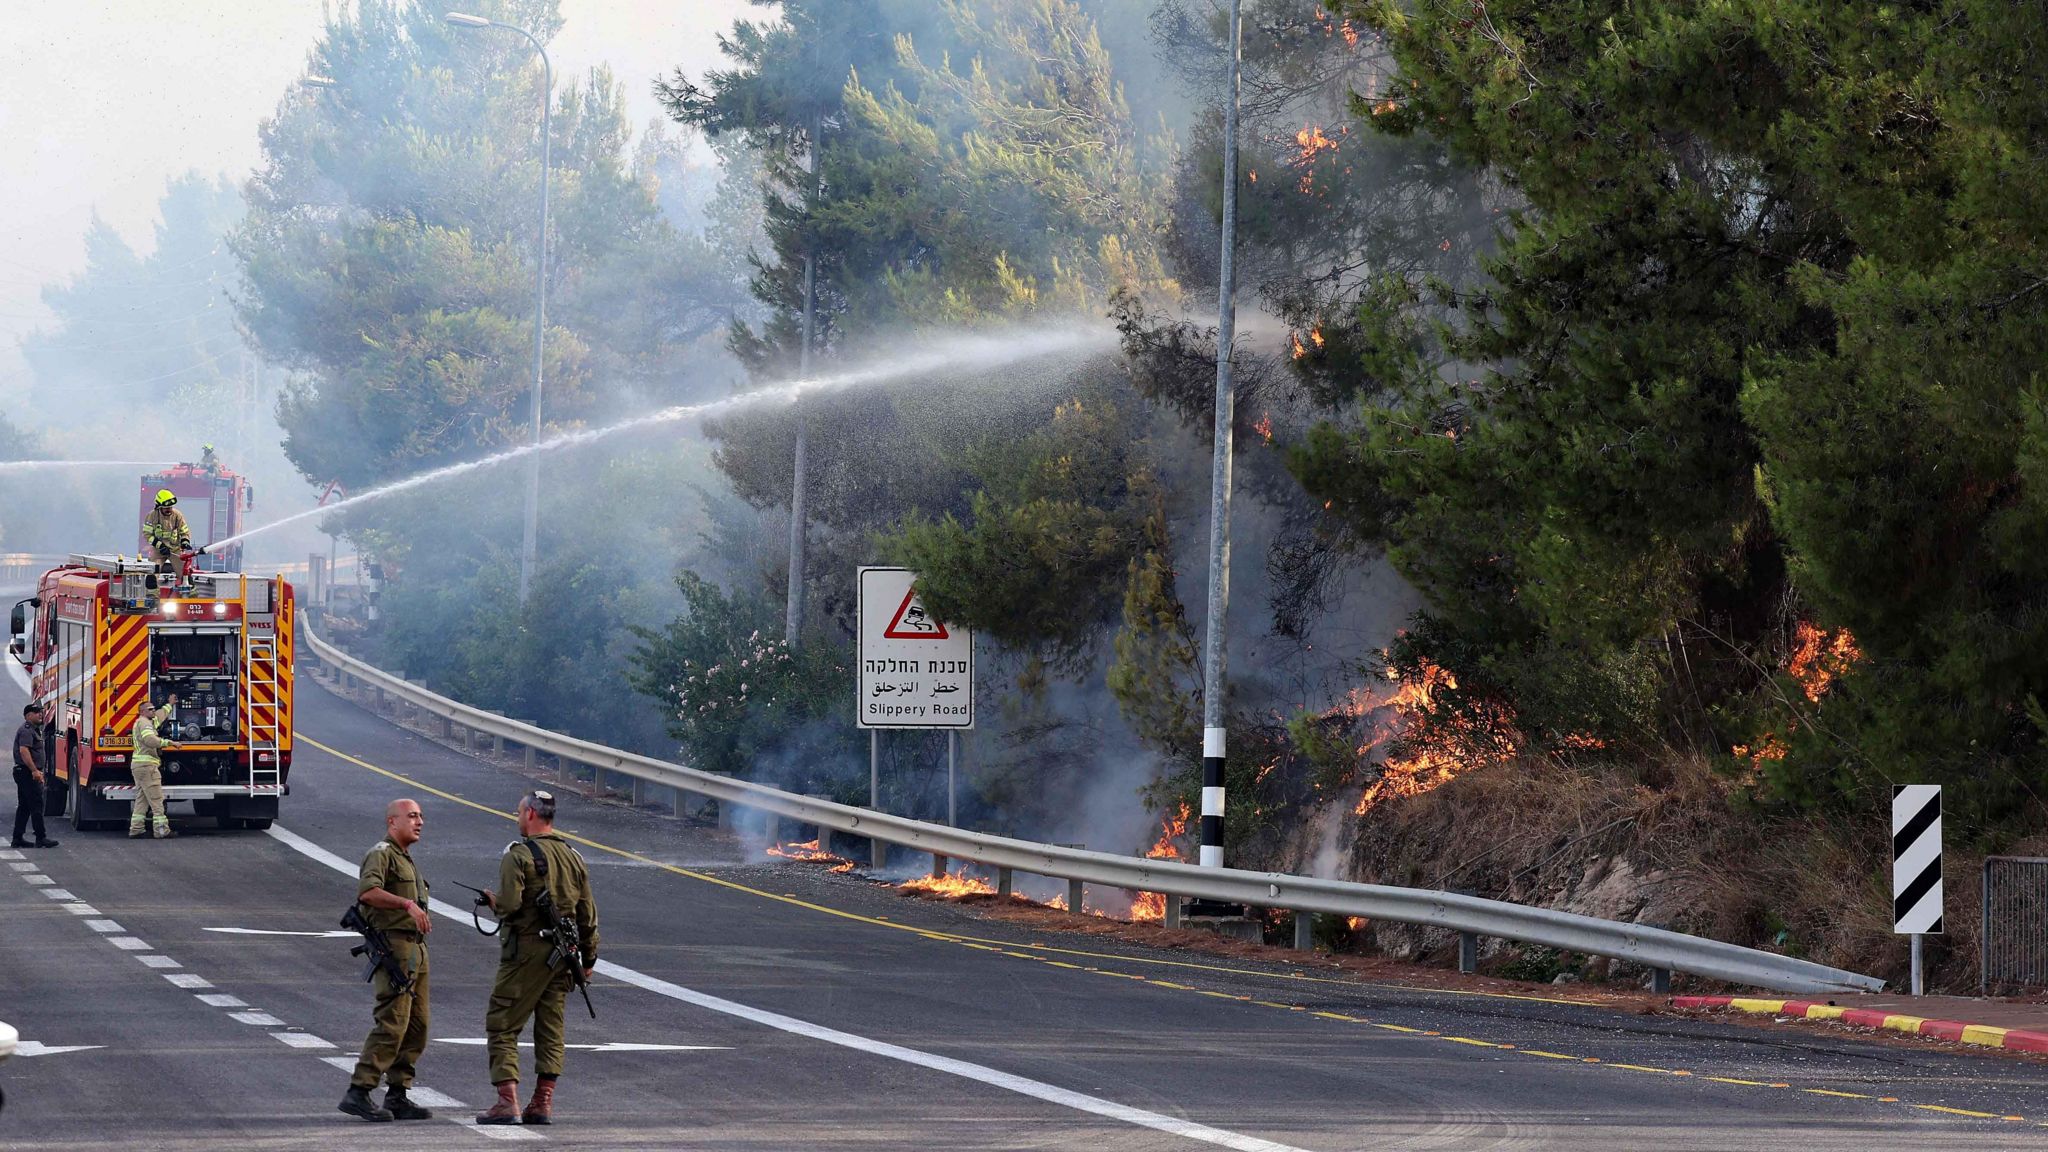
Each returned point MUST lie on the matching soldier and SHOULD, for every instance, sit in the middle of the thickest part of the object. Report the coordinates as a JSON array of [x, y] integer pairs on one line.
[[528, 985], [146, 763], [394, 896]]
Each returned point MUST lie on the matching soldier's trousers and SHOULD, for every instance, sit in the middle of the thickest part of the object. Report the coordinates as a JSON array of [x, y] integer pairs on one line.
[[398, 1036], [149, 796], [525, 987]]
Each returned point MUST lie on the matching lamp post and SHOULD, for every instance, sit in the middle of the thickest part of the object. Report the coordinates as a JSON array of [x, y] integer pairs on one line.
[[527, 547]]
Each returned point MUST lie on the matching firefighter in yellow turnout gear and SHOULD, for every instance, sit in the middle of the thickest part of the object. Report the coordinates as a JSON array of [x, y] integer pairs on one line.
[[147, 763], [165, 530], [529, 984]]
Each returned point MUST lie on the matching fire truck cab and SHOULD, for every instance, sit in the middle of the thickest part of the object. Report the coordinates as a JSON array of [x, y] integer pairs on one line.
[[105, 633]]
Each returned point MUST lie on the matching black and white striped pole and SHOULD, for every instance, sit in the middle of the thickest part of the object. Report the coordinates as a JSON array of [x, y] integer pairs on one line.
[[1213, 691], [1916, 865]]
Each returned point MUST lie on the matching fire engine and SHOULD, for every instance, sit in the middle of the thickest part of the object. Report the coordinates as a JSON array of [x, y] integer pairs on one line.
[[213, 500], [104, 633]]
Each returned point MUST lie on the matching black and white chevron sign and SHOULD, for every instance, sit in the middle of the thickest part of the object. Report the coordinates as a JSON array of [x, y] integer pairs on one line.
[[1916, 858]]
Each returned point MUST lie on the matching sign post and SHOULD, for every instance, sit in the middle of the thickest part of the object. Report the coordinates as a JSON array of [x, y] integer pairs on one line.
[[916, 671], [1916, 865]]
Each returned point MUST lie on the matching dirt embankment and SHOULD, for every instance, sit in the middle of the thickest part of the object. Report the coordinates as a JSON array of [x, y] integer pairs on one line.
[[1687, 853]]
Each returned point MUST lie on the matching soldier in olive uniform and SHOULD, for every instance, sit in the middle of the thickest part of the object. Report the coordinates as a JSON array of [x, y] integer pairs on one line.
[[393, 896], [527, 985]]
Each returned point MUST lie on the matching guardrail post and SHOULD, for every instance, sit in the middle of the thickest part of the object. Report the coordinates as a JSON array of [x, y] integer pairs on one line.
[[1005, 883], [878, 854], [938, 866], [447, 728], [1077, 894], [1468, 952], [1660, 980], [1305, 931], [639, 792], [1172, 919]]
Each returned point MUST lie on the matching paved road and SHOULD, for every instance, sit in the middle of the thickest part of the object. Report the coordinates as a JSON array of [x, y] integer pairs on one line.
[[794, 1009]]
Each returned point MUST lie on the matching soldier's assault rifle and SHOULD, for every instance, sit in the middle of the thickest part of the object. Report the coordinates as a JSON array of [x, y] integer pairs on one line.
[[375, 949], [567, 939]]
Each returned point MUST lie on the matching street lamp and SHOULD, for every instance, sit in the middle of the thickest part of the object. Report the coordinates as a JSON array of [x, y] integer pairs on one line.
[[540, 287]]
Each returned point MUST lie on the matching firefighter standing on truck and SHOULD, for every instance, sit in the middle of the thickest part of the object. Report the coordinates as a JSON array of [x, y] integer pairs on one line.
[[165, 529], [394, 896], [528, 984], [147, 763]]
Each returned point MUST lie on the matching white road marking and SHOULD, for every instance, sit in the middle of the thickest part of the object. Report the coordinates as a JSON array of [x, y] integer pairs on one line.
[[426, 1097], [20, 867], [299, 1040], [129, 943], [188, 980], [10, 854], [276, 932], [38, 878], [104, 926], [345, 1063], [222, 1000], [58, 894], [159, 962], [259, 1019], [32, 1048], [478, 1042], [81, 910], [1038, 1090]]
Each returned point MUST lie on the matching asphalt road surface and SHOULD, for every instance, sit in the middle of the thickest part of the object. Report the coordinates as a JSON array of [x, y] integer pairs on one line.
[[182, 994]]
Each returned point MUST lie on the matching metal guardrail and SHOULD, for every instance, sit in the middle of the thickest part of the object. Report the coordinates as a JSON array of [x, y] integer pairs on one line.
[[2014, 952], [1661, 950]]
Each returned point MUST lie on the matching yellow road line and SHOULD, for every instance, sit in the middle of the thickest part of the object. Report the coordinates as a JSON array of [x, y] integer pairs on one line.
[[1956, 1111], [1832, 1092]]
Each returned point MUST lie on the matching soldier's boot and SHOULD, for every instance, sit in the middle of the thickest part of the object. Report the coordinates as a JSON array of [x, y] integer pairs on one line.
[[401, 1106], [506, 1110], [136, 829], [358, 1103], [540, 1109], [163, 828]]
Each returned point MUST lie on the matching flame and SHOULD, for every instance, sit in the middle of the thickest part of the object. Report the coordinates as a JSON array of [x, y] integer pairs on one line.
[[1818, 658], [1315, 336], [1252, 175], [809, 851], [1264, 427], [1425, 769], [1300, 349], [1354, 922], [950, 886], [1312, 142]]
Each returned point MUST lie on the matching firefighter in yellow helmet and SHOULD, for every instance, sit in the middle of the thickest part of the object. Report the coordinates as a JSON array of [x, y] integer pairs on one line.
[[164, 531]]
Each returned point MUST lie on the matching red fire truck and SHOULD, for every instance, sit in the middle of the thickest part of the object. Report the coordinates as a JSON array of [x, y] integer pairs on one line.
[[104, 633], [212, 499]]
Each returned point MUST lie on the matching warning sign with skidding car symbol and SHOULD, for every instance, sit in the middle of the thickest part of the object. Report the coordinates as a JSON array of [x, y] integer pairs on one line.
[[915, 670]]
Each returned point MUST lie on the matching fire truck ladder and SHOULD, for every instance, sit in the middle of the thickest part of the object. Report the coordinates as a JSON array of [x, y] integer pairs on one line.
[[259, 664]]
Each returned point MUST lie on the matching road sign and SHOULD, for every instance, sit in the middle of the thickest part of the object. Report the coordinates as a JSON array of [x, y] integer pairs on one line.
[[916, 671], [1916, 858]]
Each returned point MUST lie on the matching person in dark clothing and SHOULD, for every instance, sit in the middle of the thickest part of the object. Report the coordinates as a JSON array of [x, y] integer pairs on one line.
[[31, 776]]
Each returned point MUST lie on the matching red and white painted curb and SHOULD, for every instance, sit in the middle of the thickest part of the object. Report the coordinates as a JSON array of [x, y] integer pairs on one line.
[[2019, 1039]]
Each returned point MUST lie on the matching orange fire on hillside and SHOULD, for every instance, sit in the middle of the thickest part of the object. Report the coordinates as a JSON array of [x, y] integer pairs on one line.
[[1151, 906], [1818, 658]]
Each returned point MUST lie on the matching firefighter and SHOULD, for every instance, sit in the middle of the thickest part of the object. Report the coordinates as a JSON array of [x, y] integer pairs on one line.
[[148, 767], [165, 531], [528, 985], [207, 460], [394, 897]]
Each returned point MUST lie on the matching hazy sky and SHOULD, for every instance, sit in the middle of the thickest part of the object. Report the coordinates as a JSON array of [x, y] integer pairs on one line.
[[102, 101]]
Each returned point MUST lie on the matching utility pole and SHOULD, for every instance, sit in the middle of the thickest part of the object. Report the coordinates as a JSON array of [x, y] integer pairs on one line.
[[528, 546], [793, 612], [1213, 679]]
